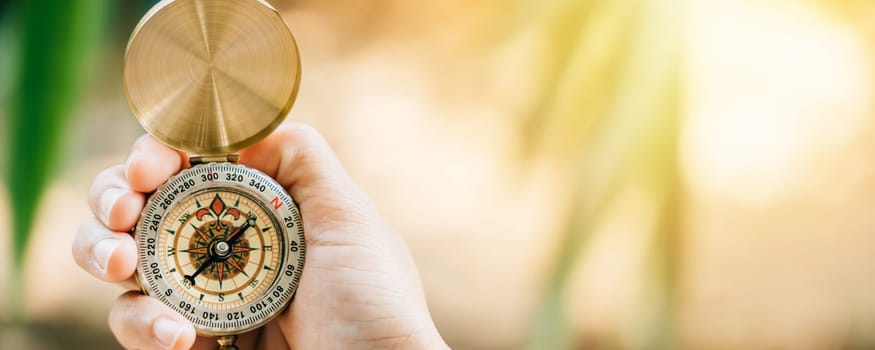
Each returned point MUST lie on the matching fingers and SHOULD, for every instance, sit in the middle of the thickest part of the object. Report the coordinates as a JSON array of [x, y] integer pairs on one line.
[[302, 162], [142, 322], [116, 197], [113, 201], [109, 256], [151, 163]]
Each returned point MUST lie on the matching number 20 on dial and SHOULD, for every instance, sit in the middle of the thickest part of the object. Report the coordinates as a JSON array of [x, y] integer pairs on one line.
[[224, 247]]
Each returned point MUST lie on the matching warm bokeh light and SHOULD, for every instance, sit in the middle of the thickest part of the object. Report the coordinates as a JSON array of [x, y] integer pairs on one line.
[[639, 174]]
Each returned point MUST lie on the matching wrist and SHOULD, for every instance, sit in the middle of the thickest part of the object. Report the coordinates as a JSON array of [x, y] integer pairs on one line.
[[429, 339], [437, 343]]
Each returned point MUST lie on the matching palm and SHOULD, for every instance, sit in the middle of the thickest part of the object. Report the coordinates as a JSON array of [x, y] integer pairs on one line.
[[356, 290], [359, 287]]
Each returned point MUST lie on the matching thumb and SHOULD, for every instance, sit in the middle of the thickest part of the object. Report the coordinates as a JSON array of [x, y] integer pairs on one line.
[[300, 159]]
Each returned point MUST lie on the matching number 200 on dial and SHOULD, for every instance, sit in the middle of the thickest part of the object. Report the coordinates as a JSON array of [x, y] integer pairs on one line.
[[223, 245]]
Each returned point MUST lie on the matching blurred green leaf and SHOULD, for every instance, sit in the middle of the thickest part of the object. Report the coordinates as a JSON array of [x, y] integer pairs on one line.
[[55, 49], [4, 5]]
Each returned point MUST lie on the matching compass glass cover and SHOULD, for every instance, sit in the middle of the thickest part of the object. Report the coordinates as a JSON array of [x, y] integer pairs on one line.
[[223, 245]]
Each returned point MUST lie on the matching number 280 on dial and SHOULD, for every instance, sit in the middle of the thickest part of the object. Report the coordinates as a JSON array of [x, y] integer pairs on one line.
[[223, 245]]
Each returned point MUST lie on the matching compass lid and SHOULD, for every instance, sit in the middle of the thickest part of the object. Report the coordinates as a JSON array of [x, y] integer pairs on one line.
[[211, 77]]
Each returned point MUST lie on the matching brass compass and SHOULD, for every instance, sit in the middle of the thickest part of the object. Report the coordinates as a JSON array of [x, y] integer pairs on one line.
[[219, 243]]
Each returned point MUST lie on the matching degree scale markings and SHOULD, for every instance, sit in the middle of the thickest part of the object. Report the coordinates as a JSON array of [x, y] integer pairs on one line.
[[224, 270], [205, 311]]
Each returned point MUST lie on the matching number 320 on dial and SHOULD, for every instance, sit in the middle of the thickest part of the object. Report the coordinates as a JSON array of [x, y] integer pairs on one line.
[[224, 246]]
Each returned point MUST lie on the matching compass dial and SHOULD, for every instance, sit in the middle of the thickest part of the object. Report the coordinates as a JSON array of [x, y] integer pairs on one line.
[[223, 245]]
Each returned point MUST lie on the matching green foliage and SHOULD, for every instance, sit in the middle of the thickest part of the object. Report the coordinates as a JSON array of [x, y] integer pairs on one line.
[[57, 41]]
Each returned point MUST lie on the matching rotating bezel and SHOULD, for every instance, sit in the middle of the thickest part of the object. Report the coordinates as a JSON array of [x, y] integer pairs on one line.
[[273, 199]]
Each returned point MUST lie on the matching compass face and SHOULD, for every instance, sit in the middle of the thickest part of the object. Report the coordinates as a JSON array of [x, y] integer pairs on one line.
[[223, 245]]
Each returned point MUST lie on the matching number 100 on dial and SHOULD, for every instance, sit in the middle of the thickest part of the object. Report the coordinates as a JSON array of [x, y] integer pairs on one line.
[[224, 245]]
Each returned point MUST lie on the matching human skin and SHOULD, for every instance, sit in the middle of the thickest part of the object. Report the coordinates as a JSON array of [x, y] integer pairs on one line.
[[360, 288]]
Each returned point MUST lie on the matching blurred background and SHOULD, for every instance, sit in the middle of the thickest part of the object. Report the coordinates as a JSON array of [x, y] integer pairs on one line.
[[569, 174]]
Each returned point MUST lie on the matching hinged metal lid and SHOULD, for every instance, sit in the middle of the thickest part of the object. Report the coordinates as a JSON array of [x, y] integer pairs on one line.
[[211, 76]]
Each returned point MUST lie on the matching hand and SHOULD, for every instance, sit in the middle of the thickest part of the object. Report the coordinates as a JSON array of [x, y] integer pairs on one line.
[[359, 289]]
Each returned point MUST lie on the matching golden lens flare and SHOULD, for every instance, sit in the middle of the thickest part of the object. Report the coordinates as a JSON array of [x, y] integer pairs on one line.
[[211, 77]]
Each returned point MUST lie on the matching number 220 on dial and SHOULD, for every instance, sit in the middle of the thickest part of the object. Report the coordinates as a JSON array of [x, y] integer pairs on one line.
[[224, 246]]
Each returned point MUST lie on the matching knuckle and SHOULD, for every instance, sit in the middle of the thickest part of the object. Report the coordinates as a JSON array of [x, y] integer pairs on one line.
[[83, 240], [300, 133], [118, 311], [108, 178], [126, 309], [141, 141], [78, 246], [103, 178]]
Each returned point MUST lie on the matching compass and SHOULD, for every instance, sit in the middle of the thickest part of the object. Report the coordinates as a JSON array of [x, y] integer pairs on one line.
[[219, 243]]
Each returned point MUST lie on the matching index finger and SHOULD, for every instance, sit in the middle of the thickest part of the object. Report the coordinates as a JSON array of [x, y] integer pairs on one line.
[[151, 163]]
